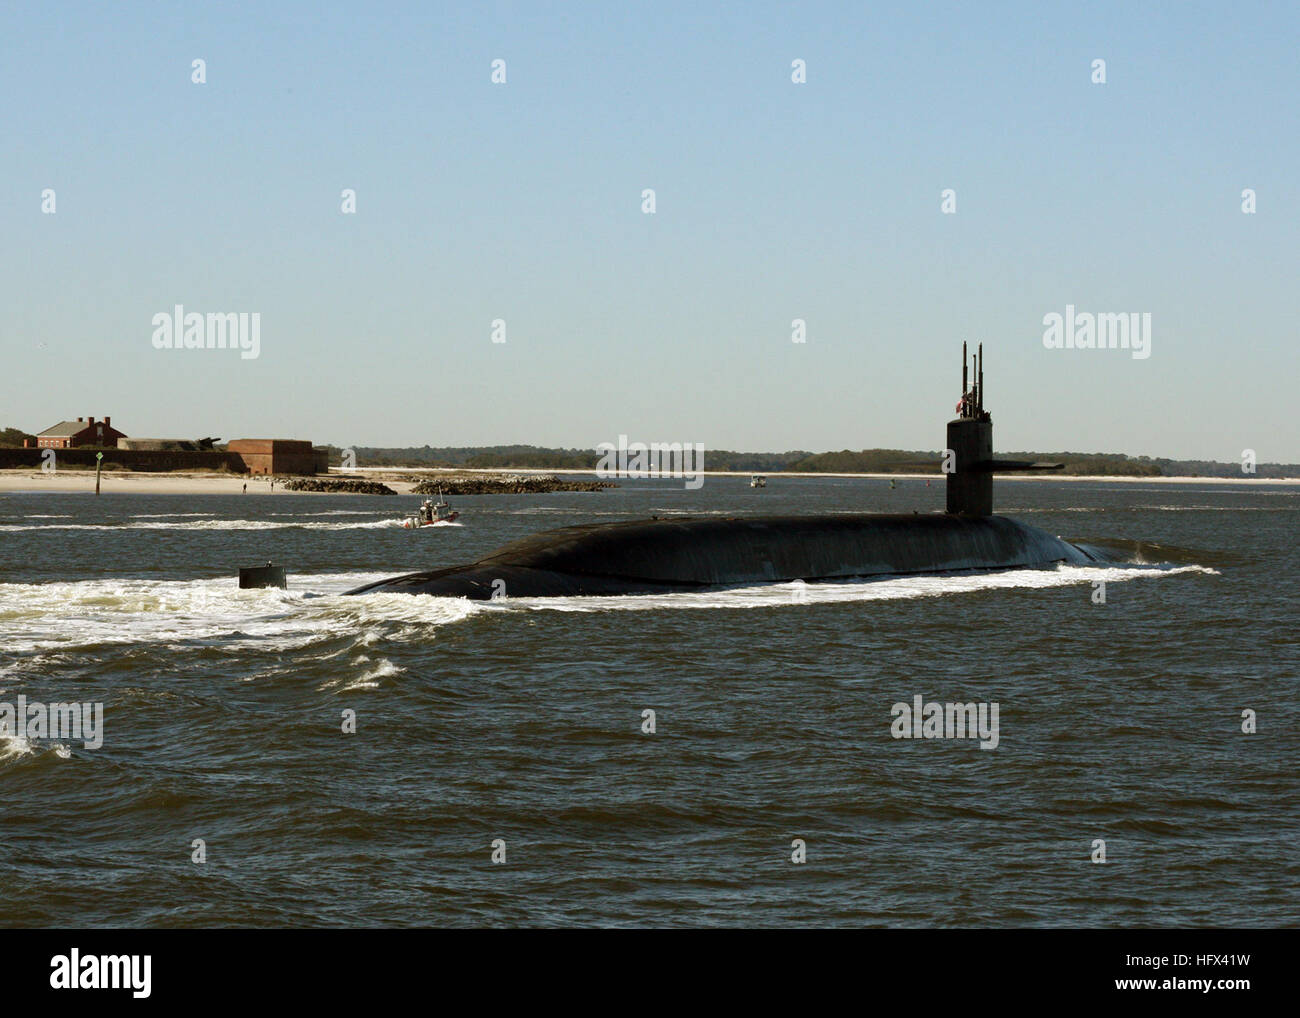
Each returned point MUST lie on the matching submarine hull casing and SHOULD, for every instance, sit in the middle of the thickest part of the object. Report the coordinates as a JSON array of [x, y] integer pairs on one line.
[[667, 555]]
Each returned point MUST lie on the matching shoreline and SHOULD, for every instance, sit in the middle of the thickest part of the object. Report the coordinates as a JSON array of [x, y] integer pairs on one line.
[[1044, 476], [28, 481]]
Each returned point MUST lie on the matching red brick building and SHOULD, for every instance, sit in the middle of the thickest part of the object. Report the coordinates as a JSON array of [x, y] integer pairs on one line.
[[274, 455], [73, 434]]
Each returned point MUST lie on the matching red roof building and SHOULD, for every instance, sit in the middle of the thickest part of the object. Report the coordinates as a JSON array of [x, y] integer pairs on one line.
[[74, 434]]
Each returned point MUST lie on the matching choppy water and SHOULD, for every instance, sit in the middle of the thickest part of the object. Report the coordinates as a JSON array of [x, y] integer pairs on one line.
[[521, 720]]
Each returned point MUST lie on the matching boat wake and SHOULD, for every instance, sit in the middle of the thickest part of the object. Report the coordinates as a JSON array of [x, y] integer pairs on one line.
[[798, 594], [51, 617], [205, 524]]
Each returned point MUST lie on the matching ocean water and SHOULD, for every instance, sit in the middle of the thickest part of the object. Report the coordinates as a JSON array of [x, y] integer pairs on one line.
[[520, 722]]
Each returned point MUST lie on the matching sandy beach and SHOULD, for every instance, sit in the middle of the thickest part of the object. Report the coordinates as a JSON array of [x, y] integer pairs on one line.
[[119, 481], [181, 483], [378, 474]]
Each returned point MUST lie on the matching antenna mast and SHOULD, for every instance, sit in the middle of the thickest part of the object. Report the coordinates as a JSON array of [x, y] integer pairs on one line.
[[965, 388]]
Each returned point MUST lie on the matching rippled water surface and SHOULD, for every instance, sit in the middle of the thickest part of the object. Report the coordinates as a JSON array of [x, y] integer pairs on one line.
[[521, 721]]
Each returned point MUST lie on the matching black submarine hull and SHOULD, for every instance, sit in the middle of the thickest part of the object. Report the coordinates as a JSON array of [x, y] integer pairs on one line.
[[684, 554]]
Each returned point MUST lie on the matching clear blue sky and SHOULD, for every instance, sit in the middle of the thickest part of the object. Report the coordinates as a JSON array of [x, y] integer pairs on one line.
[[775, 201]]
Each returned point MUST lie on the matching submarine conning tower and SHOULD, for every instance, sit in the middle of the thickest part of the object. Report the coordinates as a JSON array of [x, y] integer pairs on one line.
[[970, 440]]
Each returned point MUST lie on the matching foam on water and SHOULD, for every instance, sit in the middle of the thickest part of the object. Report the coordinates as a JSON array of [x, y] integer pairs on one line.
[[163, 516], [370, 679], [41, 617], [1219, 508], [51, 616], [298, 523], [328, 512], [1023, 510], [802, 595], [13, 746], [16, 747]]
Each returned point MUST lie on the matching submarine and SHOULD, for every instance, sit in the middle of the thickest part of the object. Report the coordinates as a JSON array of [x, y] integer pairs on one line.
[[685, 554]]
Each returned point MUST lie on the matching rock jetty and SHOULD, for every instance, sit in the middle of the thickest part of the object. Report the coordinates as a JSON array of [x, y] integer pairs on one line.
[[338, 486], [508, 484]]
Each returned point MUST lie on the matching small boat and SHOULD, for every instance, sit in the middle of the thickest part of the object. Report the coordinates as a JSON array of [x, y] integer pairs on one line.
[[431, 513], [758, 481]]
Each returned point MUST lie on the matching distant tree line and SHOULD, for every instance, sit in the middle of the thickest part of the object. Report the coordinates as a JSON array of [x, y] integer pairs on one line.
[[482, 457], [846, 461]]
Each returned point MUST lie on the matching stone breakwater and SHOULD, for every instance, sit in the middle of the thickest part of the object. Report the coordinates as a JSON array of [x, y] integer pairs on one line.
[[510, 484], [457, 484], [338, 486]]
